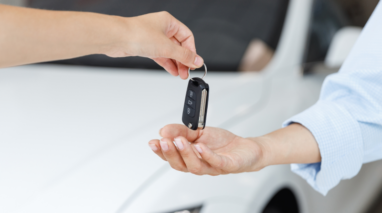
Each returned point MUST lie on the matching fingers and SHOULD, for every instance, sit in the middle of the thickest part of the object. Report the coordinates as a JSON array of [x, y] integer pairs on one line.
[[168, 65], [215, 160], [172, 155], [180, 48], [185, 53], [197, 159], [175, 130], [155, 146], [172, 66], [193, 163], [182, 33], [186, 57], [182, 69]]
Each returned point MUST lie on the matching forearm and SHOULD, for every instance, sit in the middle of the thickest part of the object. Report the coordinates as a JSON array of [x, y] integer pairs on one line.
[[29, 35], [292, 144]]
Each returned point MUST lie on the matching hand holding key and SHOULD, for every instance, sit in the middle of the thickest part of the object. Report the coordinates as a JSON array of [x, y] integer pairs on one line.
[[60, 35], [161, 37], [212, 151]]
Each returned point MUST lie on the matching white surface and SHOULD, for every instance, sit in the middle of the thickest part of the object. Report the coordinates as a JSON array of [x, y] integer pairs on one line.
[[70, 118], [75, 139], [341, 46]]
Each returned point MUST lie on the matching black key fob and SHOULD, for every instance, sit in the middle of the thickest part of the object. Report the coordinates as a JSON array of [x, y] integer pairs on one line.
[[196, 104]]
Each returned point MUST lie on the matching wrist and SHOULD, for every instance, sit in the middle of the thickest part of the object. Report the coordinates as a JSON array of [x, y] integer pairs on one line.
[[260, 149], [114, 31], [265, 143]]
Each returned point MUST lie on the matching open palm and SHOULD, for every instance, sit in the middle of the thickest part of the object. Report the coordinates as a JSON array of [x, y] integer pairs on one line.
[[211, 151]]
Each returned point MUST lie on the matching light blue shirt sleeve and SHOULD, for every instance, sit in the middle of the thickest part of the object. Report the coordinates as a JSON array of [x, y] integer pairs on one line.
[[347, 120]]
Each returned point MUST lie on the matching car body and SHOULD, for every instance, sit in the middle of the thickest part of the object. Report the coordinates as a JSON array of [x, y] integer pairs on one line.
[[75, 139]]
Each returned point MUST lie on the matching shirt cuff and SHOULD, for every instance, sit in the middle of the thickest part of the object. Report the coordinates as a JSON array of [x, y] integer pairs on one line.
[[340, 142]]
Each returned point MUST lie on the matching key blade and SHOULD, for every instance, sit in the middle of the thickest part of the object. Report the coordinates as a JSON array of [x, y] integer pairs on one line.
[[202, 109]]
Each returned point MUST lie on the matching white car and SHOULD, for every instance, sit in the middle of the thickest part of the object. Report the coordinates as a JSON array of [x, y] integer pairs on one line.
[[75, 139]]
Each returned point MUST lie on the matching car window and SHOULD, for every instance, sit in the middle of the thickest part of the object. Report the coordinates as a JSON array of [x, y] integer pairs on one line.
[[223, 29], [327, 18]]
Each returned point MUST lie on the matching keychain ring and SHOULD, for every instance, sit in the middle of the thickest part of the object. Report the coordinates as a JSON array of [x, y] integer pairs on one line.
[[205, 71]]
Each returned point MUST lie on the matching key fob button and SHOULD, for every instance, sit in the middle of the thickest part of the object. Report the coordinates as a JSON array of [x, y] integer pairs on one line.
[[190, 112], [191, 94], [190, 103]]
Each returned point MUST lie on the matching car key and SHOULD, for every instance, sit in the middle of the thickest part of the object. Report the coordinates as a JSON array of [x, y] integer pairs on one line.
[[196, 102]]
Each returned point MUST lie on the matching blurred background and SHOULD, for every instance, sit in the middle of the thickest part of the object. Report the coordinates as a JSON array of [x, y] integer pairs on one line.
[[232, 39]]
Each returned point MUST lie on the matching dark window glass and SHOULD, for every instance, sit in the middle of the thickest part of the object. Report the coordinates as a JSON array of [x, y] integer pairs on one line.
[[222, 28], [327, 18]]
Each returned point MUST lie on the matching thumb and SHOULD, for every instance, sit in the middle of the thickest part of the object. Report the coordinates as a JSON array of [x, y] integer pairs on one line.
[[186, 57], [176, 130]]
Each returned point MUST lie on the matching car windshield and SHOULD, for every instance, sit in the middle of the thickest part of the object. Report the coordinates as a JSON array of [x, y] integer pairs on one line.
[[223, 29]]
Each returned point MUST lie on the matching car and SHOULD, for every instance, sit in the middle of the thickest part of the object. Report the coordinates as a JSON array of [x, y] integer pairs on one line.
[[75, 138]]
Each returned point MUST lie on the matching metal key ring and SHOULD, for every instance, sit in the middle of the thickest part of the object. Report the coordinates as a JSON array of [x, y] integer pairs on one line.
[[205, 72]]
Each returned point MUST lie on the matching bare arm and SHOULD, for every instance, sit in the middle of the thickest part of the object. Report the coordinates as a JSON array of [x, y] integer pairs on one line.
[[31, 35], [292, 144], [222, 152]]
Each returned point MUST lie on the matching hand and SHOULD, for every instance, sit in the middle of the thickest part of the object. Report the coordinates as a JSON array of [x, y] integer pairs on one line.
[[158, 36], [58, 35], [212, 151]]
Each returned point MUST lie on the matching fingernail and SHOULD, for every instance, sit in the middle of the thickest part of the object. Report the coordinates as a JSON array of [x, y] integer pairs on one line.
[[179, 143], [153, 147], [198, 61], [197, 147], [164, 145]]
